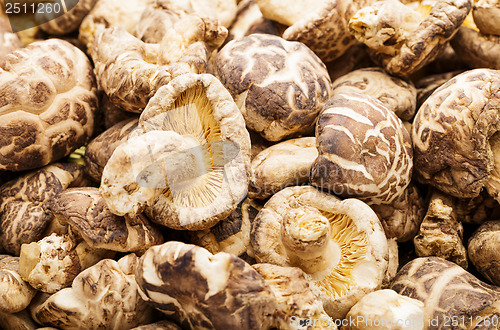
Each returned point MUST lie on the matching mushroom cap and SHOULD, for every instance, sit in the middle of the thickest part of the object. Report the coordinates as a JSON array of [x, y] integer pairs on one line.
[[86, 212], [20, 320], [403, 41], [15, 293], [486, 13], [364, 150], [60, 24], [160, 325], [204, 291], [279, 86], [121, 306], [453, 132], [23, 203], [428, 84], [48, 99], [398, 95], [478, 50], [9, 41], [359, 257], [284, 164], [483, 250]]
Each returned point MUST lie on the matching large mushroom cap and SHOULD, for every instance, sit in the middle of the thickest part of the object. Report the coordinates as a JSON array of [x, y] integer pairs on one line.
[[339, 244], [47, 104], [15, 293], [478, 50], [280, 86], [483, 250]]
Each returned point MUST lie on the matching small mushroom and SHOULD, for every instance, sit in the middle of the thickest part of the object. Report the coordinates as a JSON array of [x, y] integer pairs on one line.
[[398, 95], [200, 290], [486, 13], [478, 50], [446, 289], [119, 307], [483, 250], [15, 293], [340, 245], [193, 120], [9, 41], [440, 233], [284, 164], [279, 86], [55, 23], [47, 104], [403, 40], [24, 215]]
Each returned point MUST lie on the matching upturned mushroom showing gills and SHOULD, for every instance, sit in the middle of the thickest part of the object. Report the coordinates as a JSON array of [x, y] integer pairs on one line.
[[340, 245], [187, 164]]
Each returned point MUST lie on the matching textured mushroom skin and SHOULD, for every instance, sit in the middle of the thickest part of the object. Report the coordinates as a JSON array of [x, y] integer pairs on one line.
[[68, 22], [204, 291], [486, 13], [478, 50], [279, 86], [8, 40], [451, 131], [15, 293], [483, 250], [47, 100]]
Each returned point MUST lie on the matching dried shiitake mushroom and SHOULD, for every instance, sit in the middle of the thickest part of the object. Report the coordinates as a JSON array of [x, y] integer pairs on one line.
[[446, 289], [160, 325], [454, 135], [113, 114], [403, 40], [24, 214], [15, 293], [428, 84], [100, 149], [47, 104], [340, 245], [21, 320], [119, 307], [9, 41], [398, 95], [279, 86], [200, 290], [284, 164], [66, 23], [478, 50], [483, 250], [486, 14], [193, 120]]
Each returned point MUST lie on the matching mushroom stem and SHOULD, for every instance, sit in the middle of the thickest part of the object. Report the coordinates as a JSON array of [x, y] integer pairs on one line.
[[305, 233]]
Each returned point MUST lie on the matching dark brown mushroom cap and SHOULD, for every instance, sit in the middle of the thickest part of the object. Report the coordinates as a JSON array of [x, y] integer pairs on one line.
[[280, 86], [478, 50], [47, 101], [86, 212], [446, 289], [15, 294], [23, 203], [364, 150], [66, 23], [486, 14], [100, 149], [452, 130], [204, 291], [483, 250]]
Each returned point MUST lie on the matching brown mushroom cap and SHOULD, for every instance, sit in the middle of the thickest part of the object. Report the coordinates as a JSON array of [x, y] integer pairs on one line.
[[205, 291], [453, 134], [160, 325], [398, 95], [66, 23], [483, 250], [402, 40], [23, 203], [486, 14], [478, 50], [20, 320], [15, 293], [279, 86], [47, 101]]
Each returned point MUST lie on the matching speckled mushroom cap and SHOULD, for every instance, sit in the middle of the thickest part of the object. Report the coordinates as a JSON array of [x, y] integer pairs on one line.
[[340, 245], [284, 164], [86, 212], [454, 138], [121, 307], [401, 39], [483, 250], [364, 150], [23, 203], [446, 289], [398, 95], [200, 290], [486, 14], [478, 50], [15, 294], [47, 104], [279, 86], [193, 120], [67, 22]]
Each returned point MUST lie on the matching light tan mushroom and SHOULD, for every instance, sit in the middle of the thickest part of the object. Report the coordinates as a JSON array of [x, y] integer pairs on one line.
[[193, 120], [200, 290], [478, 50], [121, 306], [47, 104], [284, 164], [428, 84], [17, 321], [66, 20], [483, 250], [9, 41], [279, 86], [340, 245], [112, 113], [24, 215], [15, 293], [486, 14], [403, 40]]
